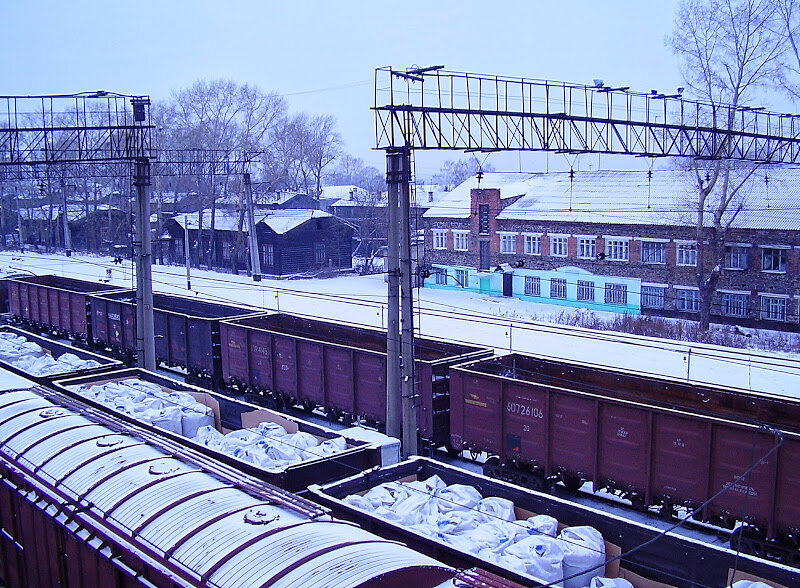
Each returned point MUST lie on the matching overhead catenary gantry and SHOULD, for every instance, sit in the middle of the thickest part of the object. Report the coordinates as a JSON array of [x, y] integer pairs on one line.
[[90, 128], [432, 109]]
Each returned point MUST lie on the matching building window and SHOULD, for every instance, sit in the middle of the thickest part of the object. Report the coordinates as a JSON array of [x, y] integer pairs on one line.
[[440, 277], [653, 296], [585, 291], [533, 244], [483, 219], [773, 260], [319, 253], [686, 254], [558, 288], [533, 286], [773, 308], [462, 277], [508, 243], [558, 246], [440, 239], [616, 294], [460, 240], [736, 257], [687, 300], [268, 253], [617, 249], [587, 247], [735, 305], [654, 252]]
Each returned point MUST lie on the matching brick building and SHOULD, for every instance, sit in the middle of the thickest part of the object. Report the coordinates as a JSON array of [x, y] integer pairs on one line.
[[618, 241]]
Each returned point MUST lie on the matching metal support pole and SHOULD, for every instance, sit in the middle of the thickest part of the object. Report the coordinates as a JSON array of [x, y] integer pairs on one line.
[[65, 220], [145, 337], [252, 238], [186, 249], [393, 358], [409, 388]]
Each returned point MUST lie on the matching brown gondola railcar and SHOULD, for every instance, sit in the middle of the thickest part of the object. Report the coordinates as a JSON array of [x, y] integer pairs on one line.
[[339, 367], [187, 330], [634, 442], [55, 303]]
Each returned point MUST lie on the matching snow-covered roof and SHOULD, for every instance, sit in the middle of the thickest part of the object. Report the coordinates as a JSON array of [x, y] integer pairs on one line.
[[630, 197], [279, 221], [340, 192], [455, 203], [74, 211], [283, 221]]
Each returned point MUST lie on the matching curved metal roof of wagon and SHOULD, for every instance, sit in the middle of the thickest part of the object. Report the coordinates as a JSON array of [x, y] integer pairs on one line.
[[196, 521]]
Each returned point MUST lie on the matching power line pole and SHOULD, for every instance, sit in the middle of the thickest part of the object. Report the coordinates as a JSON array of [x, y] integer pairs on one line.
[[145, 334], [252, 238], [394, 177], [186, 249], [65, 219]]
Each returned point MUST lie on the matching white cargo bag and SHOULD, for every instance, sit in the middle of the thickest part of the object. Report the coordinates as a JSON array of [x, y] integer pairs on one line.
[[584, 555]]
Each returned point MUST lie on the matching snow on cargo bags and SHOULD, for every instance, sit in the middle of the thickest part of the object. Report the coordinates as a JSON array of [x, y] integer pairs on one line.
[[487, 527], [31, 357], [268, 446]]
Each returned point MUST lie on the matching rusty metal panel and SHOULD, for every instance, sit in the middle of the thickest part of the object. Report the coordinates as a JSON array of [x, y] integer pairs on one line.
[[573, 433], [44, 307], [116, 338], [680, 458], [284, 353], [624, 446], [54, 309], [172, 328], [259, 348], [161, 332], [525, 422], [24, 300], [234, 353], [482, 412], [77, 312], [339, 385], [198, 342], [311, 374], [369, 385], [128, 324], [734, 449], [99, 319], [14, 306], [787, 497]]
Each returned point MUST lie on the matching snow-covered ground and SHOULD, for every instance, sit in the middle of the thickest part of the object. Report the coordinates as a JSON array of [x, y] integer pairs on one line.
[[458, 316]]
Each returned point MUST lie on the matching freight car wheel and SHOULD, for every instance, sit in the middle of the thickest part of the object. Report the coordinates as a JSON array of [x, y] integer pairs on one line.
[[572, 483]]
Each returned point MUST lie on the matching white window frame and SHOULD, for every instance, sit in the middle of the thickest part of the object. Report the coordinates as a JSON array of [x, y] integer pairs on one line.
[[462, 278], [558, 288], [508, 242], [616, 293], [769, 303], [681, 299], [586, 291], [587, 247], [533, 286], [653, 292], [618, 248], [686, 253], [661, 247], [440, 276], [739, 302], [460, 240], [440, 238], [784, 257], [743, 251], [559, 245], [533, 243]]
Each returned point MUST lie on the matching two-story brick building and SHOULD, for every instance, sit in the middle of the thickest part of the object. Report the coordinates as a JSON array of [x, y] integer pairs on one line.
[[618, 241]]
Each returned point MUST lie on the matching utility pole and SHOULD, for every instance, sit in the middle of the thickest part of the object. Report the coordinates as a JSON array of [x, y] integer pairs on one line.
[[394, 178], [252, 238], [409, 388], [186, 249], [145, 334], [65, 219]]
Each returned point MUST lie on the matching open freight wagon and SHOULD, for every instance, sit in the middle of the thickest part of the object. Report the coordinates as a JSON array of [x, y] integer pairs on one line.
[[231, 416], [647, 558], [338, 367], [541, 423], [55, 303], [44, 360], [186, 330]]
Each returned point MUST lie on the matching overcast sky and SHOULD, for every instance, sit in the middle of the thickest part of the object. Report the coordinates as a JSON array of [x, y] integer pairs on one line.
[[322, 55]]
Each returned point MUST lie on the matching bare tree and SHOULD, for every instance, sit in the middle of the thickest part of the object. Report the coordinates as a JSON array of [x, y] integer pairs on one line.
[[730, 49], [454, 173]]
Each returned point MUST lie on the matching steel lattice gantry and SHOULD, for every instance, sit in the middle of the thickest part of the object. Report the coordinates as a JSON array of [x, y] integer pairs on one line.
[[434, 109]]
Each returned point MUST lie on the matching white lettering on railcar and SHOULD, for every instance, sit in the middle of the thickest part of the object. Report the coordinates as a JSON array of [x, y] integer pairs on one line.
[[525, 410]]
